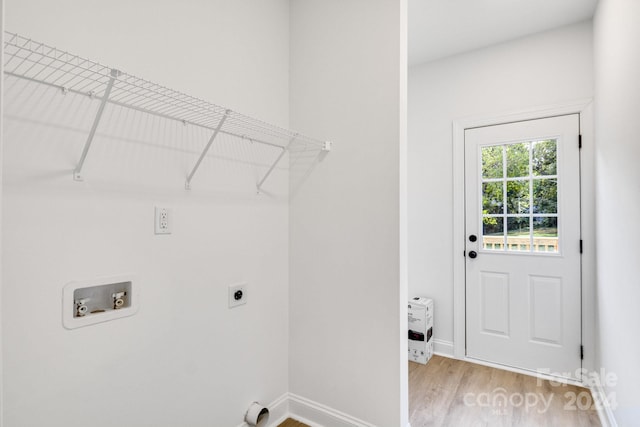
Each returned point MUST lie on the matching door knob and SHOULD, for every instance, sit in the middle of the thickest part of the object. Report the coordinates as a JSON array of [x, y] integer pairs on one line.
[[473, 238], [473, 254]]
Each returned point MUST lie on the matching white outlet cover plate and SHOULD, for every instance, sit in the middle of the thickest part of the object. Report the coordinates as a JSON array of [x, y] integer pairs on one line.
[[163, 220], [232, 291], [70, 322]]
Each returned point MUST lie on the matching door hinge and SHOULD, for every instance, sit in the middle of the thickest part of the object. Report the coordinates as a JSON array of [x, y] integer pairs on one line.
[[581, 352], [579, 141], [580, 245], [464, 253]]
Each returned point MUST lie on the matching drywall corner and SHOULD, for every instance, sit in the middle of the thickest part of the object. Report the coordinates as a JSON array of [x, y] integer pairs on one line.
[[617, 107], [346, 293], [1, 199]]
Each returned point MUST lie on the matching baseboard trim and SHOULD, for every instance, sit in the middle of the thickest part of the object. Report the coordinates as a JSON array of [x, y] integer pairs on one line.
[[443, 348], [307, 411], [318, 415], [603, 407]]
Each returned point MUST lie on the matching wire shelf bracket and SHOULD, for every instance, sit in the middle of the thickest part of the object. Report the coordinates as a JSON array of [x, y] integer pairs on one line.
[[39, 63], [275, 163], [77, 173], [187, 184]]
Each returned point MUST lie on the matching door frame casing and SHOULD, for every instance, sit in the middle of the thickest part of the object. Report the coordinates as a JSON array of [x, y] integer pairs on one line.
[[584, 108]]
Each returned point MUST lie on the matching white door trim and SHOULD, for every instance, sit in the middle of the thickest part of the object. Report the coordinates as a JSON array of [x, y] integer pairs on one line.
[[585, 109]]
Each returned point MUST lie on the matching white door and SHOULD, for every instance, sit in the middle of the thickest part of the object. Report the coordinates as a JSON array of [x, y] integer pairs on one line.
[[523, 288]]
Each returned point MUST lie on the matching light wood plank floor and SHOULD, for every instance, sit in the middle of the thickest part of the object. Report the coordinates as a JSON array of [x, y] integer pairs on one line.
[[447, 392], [452, 393], [291, 423]]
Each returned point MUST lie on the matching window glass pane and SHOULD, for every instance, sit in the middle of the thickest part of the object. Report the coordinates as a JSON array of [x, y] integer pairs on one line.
[[545, 234], [518, 160], [518, 197], [493, 233], [544, 158], [492, 198], [545, 196], [492, 162], [518, 237]]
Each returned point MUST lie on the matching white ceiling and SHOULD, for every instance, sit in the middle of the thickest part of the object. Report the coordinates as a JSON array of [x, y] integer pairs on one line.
[[439, 28]]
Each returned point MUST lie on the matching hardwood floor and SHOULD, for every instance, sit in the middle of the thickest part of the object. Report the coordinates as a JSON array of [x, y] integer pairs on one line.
[[452, 393], [291, 423], [447, 392]]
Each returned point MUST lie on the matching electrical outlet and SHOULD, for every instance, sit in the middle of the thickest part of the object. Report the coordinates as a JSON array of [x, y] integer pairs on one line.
[[237, 295], [163, 221]]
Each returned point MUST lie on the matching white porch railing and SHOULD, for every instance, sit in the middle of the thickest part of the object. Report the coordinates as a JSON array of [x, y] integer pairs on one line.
[[520, 243]]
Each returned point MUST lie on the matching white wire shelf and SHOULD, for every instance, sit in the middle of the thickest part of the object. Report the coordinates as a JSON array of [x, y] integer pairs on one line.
[[34, 61]]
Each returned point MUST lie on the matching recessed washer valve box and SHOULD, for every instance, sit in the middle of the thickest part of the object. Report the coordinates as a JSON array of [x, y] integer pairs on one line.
[[99, 300]]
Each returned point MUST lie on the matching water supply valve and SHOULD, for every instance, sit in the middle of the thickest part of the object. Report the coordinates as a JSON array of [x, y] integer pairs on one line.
[[118, 300], [81, 307]]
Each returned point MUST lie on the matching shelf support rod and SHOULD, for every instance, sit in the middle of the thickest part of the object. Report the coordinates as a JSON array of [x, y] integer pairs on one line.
[[273, 166], [187, 184], [77, 173]]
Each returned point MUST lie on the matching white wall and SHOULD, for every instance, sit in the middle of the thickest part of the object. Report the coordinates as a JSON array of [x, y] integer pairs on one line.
[[543, 69], [348, 307], [1, 173], [617, 96], [184, 359], [229, 53]]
